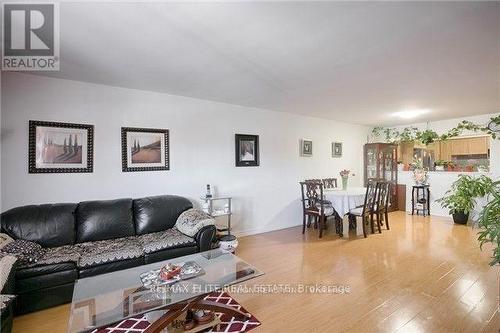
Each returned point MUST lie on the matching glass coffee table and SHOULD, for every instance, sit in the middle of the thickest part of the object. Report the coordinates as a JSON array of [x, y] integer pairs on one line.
[[109, 298]]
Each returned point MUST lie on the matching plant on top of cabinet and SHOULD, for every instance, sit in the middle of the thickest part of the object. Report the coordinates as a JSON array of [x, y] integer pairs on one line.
[[428, 136]]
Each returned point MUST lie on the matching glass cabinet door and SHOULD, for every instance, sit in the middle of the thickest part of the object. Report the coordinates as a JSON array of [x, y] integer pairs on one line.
[[389, 158], [371, 161]]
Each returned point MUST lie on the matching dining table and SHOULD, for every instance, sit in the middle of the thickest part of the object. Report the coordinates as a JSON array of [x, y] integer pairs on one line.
[[343, 200]]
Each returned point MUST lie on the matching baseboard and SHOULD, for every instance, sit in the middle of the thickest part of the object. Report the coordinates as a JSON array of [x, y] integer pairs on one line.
[[255, 231]]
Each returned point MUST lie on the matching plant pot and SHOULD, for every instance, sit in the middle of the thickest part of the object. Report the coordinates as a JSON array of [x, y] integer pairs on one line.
[[460, 217], [439, 167]]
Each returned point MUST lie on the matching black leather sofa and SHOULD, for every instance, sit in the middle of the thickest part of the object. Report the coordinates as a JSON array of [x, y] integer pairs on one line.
[[95, 237]]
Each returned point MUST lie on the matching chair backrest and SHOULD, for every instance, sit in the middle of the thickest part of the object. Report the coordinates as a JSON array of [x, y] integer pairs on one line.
[[370, 198], [312, 195], [314, 180], [382, 200], [330, 182]]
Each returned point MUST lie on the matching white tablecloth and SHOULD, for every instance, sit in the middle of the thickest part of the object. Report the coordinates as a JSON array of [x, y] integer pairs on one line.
[[345, 200]]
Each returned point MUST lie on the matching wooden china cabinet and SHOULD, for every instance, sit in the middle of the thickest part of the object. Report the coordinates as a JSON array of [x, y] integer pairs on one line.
[[380, 163]]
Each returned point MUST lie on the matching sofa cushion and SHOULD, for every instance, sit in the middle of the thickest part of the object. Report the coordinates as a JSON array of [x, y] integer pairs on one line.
[[169, 254], [47, 280], [31, 271], [192, 220], [105, 219], [110, 267], [48, 225], [57, 255], [25, 251], [101, 252], [164, 240], [159, 213]]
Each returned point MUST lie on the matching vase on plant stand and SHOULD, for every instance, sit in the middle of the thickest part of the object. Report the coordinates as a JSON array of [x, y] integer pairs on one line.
[[344, 183]]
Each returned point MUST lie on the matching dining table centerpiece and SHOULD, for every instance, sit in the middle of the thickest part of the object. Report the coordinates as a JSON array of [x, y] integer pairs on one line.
[[344, 174]]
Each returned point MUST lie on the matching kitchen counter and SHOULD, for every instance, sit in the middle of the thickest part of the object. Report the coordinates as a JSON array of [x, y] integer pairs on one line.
[[440, 182]]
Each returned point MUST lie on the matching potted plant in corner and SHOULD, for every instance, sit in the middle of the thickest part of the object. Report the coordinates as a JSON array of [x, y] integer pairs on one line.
[[489, 223], [460, 199]]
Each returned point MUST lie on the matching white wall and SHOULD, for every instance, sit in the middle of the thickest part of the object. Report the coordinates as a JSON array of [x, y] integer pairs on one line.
[[202, 149]]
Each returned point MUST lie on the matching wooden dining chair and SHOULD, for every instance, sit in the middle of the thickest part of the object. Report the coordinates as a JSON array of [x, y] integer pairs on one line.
[[381, 209], [330, 182], [313, 204], [365, 212], [313, 180]]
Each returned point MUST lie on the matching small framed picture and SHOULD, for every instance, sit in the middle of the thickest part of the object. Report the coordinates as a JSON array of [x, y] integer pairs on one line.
[[336, 149], [306, 147], [246, 150], [60, 147], [145, 149]]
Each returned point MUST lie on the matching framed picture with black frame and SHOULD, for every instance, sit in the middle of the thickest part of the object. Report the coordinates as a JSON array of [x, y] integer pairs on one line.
[[246, 150], [60, 147], [336, 149], [306, 147], [145, 149]]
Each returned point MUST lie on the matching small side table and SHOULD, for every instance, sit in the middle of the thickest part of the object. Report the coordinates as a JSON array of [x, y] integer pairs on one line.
[[420, 199], [211, 209], [225, 240]]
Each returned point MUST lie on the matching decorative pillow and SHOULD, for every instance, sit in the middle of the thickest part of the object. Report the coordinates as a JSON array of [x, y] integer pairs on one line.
[[4, 240], [26, 252], [192, 220]]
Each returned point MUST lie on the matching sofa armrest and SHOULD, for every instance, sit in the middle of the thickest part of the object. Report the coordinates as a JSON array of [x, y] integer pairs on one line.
[[205, 237]]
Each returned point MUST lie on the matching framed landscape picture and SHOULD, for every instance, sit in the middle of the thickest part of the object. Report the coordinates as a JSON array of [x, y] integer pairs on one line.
[[145, 149], [60, 147], [246, 150], [306, 147], [336, 149]]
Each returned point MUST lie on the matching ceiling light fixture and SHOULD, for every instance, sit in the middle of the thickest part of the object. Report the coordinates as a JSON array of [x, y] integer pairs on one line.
[[411, 113]]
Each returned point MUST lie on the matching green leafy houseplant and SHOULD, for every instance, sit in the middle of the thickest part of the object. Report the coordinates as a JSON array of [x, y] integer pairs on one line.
[[489, 223], [460, 199]]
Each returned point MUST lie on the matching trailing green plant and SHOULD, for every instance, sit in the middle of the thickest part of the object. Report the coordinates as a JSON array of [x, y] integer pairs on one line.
[[461, 197], [440, 162], [489, 223], [427, 137], [413, 134]]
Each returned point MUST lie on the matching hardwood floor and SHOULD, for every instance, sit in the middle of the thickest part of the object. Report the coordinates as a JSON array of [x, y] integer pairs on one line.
[[423, 275]]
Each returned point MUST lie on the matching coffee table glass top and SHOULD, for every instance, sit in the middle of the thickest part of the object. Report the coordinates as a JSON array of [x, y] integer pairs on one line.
[[108, 298]]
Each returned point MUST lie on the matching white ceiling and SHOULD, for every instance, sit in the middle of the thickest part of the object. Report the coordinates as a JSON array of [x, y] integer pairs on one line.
[[353, 61]]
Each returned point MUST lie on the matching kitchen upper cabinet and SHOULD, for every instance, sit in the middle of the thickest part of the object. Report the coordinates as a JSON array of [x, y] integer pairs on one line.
[[460, 147], [445, 150], [470, 146], [479, 145]]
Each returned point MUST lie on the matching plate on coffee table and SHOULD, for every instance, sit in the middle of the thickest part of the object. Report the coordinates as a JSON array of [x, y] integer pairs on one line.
[[189, 270]]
